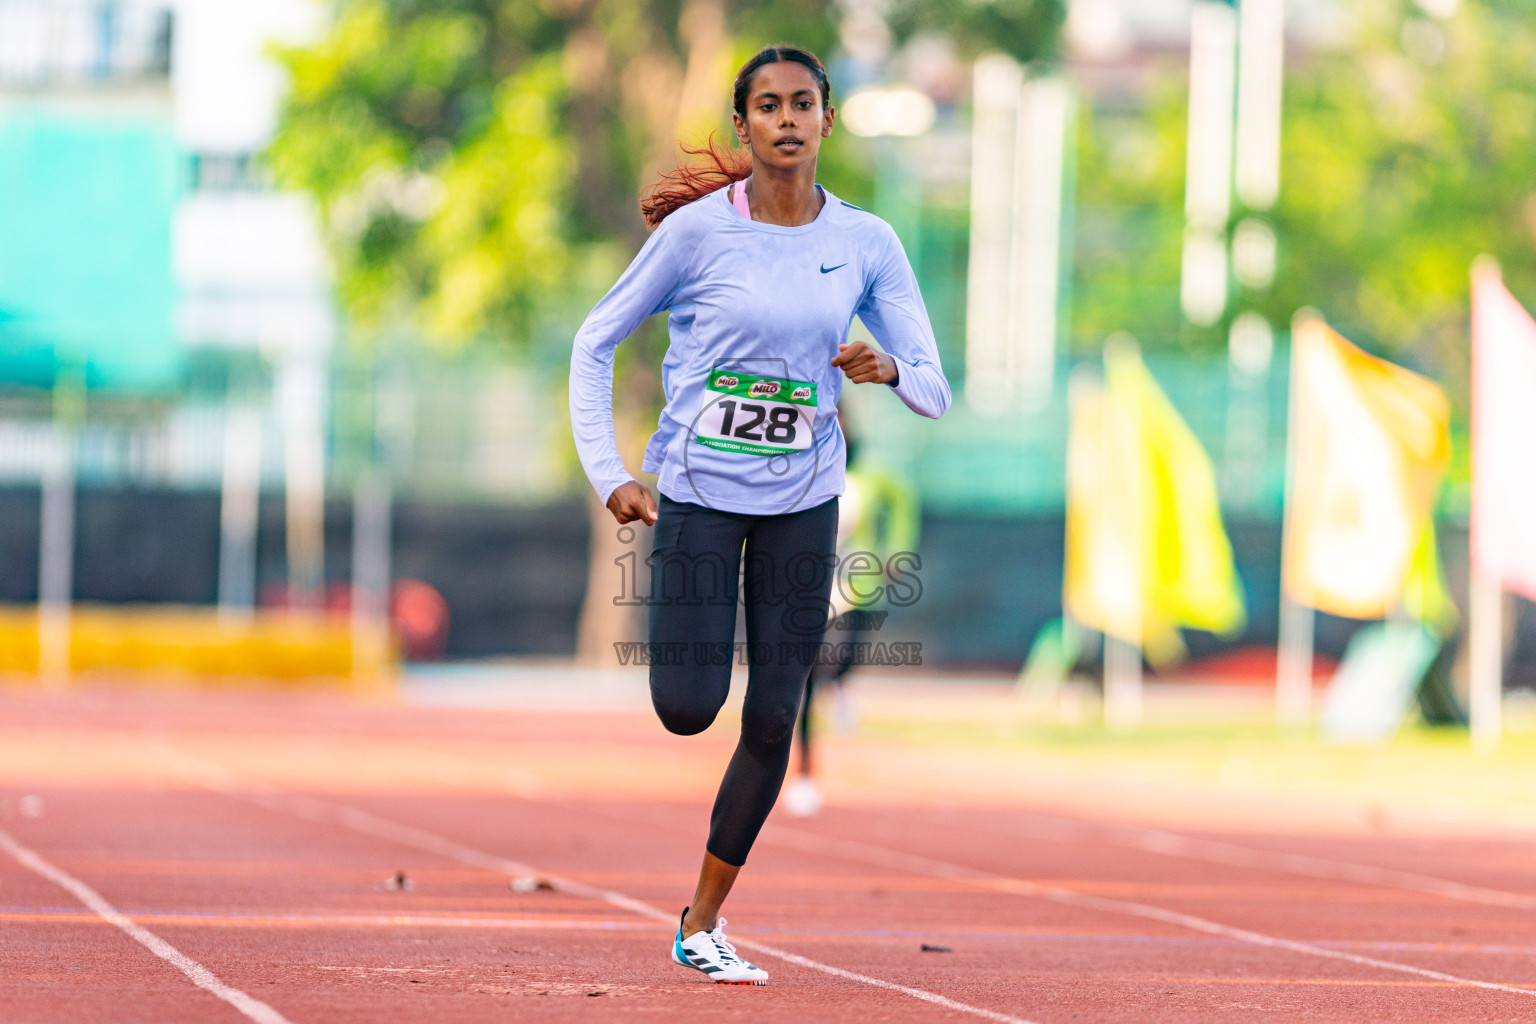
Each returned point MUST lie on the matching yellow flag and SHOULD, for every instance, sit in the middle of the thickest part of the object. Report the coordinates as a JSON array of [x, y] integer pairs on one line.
[[1146, 550], [1370, 441], [1103, 585]]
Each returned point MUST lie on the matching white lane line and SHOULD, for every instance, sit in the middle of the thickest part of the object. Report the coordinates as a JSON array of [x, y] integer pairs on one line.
[[1173, 844], [220, 780], [1151, 840], [811, 842], [199, 975], [530, 786]]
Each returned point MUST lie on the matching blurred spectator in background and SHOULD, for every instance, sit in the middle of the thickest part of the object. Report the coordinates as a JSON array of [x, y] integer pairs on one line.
[[879, 519]]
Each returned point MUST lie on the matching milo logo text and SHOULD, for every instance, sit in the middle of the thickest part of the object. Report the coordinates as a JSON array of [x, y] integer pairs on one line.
[[764, 389], [800, 394], [725, 382]]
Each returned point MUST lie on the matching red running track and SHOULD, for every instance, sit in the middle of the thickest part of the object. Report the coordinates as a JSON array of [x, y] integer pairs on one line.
[[226, 858]]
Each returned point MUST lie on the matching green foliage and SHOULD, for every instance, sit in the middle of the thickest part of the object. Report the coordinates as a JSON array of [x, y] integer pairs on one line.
[[1026, 30], [1129, 218], [431, 138], [1405, 156], [1406, 152], [809, 24], [476, 162]]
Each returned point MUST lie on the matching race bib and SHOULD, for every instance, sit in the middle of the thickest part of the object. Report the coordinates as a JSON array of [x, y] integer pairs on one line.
[[756, 415]]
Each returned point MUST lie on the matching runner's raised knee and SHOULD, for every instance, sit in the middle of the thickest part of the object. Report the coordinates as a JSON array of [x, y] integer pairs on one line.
[[685, 719], [687, 702]]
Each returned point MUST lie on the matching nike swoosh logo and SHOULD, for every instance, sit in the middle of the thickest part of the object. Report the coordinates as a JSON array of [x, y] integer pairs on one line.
[[828, 270]]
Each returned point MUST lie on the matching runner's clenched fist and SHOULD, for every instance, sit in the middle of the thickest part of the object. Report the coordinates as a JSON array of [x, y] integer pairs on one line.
[[864, 365]]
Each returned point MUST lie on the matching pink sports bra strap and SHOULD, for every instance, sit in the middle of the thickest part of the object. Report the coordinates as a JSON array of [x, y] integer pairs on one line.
[[739, 198]]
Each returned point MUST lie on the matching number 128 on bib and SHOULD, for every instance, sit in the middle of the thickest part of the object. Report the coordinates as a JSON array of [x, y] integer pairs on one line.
[[756, 415]]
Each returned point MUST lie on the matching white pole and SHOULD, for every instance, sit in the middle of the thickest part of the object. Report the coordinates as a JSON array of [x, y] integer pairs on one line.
[[1212, 84], [370, 573], [1122, 655], [1485, 599], [1208, 167], [239, 507], [1293, 668], [56, 559], [1293, 682], [1122, 684], [1034, 291], [301, 402], [998, 83], [1260, 75], [1485, 657], [1489, 538]]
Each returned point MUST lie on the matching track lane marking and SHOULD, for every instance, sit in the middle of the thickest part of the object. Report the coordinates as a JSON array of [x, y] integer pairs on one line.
[[782, 882], [812, 842], [182, 919], [1157, 979], [983, 879], [227, 783], [1174, 844], [550, 922], [1151, 840], [199, 975]]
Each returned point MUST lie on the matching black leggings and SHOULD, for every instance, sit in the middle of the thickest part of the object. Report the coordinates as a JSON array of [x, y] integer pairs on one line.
[[694, 568]]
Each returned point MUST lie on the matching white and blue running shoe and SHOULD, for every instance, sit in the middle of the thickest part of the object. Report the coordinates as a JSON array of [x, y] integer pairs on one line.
[[710, 953]]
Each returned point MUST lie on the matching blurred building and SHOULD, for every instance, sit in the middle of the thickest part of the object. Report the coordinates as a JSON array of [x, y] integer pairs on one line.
[[155, 290], [139, 246], [248, 262], [142, 245], [88, 188]]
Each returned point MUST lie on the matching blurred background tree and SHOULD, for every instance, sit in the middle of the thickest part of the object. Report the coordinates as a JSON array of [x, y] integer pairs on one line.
[[1026, 30], [1129, 216], [476, 162], [1405, 154]]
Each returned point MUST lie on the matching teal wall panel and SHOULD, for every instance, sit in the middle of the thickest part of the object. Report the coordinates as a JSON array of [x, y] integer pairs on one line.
[[86, 204]]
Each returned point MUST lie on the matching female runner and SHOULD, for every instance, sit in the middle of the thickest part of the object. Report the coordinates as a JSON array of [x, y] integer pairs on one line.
[[762, 279]]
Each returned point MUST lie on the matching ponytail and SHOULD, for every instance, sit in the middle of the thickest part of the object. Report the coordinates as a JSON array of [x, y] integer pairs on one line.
[[690, 181]]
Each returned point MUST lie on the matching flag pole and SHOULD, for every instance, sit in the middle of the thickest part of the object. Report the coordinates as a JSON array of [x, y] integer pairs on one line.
[[1293, 662], [1485, 641], [56, 528], [1122, 655], [239, 511], [1485, 657], [55, 560], [372, 505]]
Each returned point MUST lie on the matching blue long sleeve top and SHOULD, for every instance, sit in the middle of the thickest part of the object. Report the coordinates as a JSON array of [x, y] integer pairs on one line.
[[757, 301]]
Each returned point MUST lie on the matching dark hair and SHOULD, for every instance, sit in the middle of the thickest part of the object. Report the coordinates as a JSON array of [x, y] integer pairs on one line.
[[775, 55], [721, 166]]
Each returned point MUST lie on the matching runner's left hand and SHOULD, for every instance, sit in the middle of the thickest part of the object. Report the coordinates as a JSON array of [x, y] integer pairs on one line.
[[864, 365]]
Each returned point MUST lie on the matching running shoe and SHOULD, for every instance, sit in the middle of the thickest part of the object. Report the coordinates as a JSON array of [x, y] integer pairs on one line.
[[710, 953]]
